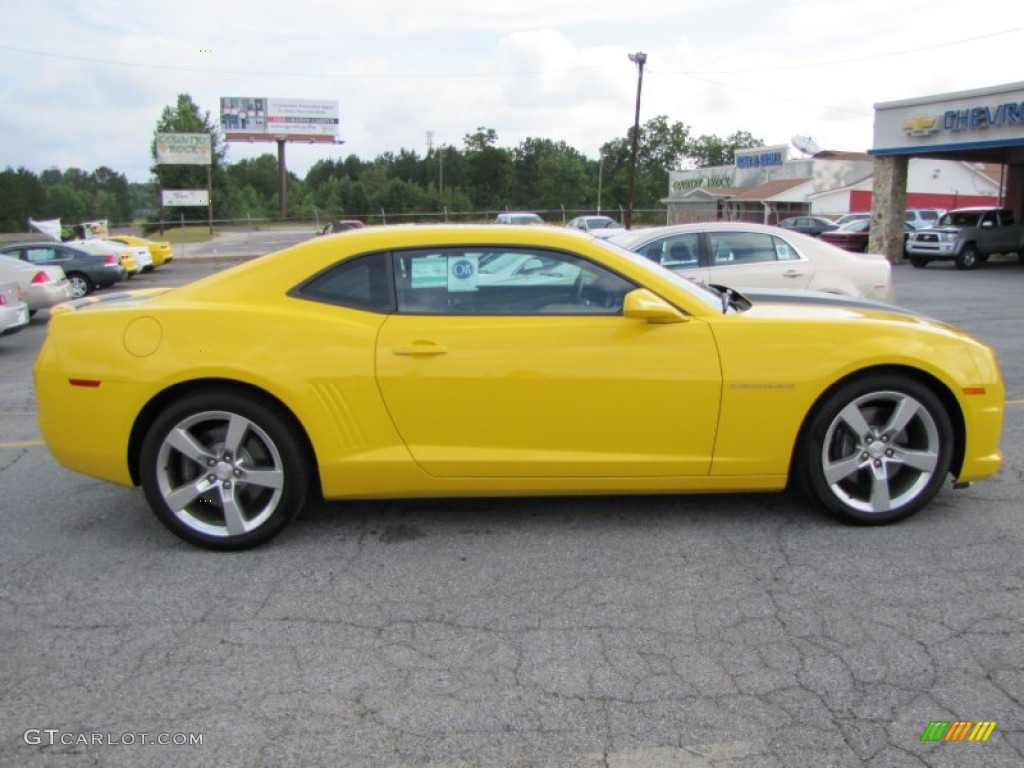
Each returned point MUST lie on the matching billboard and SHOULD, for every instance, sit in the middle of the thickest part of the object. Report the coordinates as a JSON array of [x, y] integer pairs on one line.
[[183, 148], [184, 197], [259, 118]]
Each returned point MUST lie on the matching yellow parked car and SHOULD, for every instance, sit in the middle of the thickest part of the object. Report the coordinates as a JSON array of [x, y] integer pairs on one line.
[[375, 364], [161, 250]]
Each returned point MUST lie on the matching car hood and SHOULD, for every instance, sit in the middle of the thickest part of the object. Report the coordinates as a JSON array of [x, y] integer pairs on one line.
[[109, 299], [804, 302]]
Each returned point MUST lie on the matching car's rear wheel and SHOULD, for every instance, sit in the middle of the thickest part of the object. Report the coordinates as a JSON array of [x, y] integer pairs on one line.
[[918, 261], [81, 285], [877, 449], [967, 258], [224, 471]]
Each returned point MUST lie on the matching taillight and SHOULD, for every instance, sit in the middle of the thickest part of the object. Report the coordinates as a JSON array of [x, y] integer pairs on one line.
[[3, 300], [41, 278], [111, 261]]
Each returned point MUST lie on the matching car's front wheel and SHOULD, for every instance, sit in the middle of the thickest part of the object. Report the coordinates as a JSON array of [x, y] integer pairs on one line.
[[224, 471], [967, 258], [877, 449]]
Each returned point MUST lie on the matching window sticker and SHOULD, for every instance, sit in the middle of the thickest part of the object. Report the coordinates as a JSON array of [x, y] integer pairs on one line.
[[463, 273], [430, 272]]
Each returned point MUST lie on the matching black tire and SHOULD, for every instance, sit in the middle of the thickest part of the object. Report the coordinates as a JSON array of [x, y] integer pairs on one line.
[[81, 285], [191, 475], [967, 258], [876, 450], [918, 261]]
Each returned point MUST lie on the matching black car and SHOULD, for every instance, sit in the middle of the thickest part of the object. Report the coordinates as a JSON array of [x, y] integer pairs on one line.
[[86, 271], [809, 225]]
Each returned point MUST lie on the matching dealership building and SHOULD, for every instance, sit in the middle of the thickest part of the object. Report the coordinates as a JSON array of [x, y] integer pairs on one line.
[[945, 151]]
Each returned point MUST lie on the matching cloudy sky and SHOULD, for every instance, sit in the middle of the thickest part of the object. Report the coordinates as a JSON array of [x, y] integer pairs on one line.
[[83, 82]]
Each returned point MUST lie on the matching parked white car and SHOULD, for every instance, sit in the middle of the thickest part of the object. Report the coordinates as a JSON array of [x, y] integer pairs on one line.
[[598, 226], [518, 217], [750, 256], [13, 310], [42, 286], [141, 255]]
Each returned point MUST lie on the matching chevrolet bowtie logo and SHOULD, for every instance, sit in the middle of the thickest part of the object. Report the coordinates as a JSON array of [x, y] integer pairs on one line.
[[921, 125]]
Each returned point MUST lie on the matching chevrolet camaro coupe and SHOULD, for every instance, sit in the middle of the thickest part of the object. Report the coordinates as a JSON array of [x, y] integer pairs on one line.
[[378, 364]]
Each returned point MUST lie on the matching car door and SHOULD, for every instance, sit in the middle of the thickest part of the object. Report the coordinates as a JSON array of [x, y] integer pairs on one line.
[[749, 259], [542, 380]]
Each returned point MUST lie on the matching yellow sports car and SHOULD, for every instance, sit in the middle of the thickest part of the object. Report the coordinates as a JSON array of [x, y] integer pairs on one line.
[[377, 363], [161, 250]]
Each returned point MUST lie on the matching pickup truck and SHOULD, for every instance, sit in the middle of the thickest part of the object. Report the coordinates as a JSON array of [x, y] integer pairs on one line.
[[967, 236]]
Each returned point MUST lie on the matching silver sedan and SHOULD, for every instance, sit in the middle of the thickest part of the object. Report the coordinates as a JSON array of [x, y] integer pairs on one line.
[[42, 286], [750, 256]]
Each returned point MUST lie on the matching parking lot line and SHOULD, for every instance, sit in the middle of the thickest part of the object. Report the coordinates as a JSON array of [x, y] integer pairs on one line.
[[21, 444]]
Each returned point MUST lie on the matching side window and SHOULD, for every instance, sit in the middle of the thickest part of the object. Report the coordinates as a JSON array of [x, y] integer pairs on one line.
[[989, 219], [504, 281], [360, 283], [40, 255], [784, 251], [678, 251], [741, 247], [1007, 218]]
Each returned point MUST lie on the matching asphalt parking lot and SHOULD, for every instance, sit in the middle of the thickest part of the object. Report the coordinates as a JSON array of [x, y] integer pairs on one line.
[[585, 632]]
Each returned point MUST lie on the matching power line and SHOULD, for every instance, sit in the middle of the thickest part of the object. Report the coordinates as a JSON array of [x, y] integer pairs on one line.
[[468, 75], [853, 59]]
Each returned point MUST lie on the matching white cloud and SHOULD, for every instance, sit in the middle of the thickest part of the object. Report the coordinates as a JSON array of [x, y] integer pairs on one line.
[[530, 68]]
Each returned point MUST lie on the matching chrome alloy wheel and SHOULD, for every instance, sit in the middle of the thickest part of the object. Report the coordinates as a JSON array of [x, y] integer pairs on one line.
[[219, 473], [881, 451]]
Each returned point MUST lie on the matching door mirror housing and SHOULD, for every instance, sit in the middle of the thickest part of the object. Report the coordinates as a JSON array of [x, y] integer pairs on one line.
[[641, 304]]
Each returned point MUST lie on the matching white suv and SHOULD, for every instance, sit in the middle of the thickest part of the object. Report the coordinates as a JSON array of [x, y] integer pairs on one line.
[[919, 218], [515, 217]]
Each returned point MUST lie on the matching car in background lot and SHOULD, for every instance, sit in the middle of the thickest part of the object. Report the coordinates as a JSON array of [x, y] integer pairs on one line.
[[919, 218], [41, 286], [854, 235], [519, 217], [124, 257], [134, 258], [160, 251], [395, 376], [598, 226], [341, 225], [967, 236], [754, 256], [13, 310], [808, 225], [85, 270], [846, 218]]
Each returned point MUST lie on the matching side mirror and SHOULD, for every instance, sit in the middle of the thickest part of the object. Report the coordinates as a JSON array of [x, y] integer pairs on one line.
[[641, 304]]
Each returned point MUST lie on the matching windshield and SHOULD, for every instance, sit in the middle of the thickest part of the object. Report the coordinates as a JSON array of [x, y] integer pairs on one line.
[[857, 225], [708, 295], [960, 219]]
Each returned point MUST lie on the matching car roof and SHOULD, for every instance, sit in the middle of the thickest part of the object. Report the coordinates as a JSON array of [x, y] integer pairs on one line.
[[635, 236]]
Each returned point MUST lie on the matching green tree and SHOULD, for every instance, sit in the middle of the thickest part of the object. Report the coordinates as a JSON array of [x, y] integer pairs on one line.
[[22, 197], [710, 150], [489, 170]]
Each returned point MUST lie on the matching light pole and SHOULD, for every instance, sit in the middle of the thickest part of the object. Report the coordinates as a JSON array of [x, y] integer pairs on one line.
[[639, 59]]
